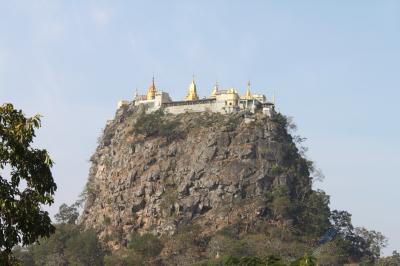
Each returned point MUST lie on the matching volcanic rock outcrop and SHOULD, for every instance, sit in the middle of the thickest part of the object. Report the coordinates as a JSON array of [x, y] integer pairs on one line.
[[156, 173]]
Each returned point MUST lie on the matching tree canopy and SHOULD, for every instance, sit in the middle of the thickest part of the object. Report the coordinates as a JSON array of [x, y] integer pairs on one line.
[[26, 183], [67, 214]]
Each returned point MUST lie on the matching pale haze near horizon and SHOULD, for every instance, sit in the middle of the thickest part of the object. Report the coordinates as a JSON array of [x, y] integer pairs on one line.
[[332, 66]]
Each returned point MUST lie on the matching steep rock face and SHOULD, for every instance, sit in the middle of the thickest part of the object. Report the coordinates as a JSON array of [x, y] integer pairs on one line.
[[206, 169]]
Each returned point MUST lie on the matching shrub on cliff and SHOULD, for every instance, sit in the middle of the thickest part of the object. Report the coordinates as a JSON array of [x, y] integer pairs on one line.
[[142, 250], [147, 245], [155, 124], [124, 257]]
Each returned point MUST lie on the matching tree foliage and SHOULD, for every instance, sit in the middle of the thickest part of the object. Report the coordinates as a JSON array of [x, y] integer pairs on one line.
[[147, 245], [270, 260], [67, 214], [359, 243], [84, 249], [393, 260], [26, 183], [69, 245], [142, 250], [123, 257]]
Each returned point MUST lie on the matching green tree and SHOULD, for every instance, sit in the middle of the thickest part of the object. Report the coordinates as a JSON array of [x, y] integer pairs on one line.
[[69, 245], [311, 213], [26, 183], [67, 214], [359, 243], [373, 242], [84, 249], [341, 221], [279, 201], [51, 251], [393, 260]]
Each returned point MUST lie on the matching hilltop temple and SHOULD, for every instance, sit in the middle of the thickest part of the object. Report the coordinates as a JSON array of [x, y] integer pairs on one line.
[[220, 101]]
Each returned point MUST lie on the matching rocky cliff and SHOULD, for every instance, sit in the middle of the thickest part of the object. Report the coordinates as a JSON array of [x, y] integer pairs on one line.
[[157, 173]]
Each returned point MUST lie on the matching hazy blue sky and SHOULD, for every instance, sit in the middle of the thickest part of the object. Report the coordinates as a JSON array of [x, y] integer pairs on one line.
[[334, 66]]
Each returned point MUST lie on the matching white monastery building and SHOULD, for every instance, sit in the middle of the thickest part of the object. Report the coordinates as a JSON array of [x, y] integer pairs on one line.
[[220, 101]]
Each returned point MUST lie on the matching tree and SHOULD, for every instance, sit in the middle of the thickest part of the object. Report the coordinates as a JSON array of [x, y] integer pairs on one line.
[[393, 260], [373, 242], [280, 202], [84, 249], [341, 221], [67, 214], [69, 245], [313, 213], [359, 243], [26, 183]]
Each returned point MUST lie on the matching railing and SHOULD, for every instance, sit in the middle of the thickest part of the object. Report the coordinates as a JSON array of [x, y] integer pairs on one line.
[[183, 103]]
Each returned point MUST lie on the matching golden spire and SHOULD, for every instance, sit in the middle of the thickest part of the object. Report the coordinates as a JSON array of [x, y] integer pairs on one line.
[[248, 95], [151, 92], [192, 94], [215, 90]]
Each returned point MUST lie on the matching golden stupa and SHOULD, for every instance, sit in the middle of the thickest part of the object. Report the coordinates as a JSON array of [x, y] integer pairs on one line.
[[151, 92], [192, 94]]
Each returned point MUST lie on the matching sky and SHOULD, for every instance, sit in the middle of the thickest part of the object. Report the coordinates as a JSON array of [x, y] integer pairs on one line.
[[332, 65]]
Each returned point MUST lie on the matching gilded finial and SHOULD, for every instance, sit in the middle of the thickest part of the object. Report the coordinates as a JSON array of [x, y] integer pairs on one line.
[[248, 92], [151, 92]]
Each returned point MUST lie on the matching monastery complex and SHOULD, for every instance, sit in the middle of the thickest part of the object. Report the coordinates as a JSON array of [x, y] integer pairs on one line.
[[220, 101]]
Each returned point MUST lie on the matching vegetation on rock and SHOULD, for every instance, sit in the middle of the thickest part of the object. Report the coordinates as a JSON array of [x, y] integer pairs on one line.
[[69, 245]]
